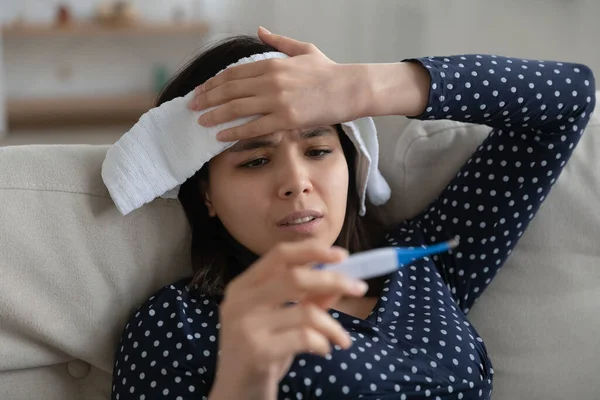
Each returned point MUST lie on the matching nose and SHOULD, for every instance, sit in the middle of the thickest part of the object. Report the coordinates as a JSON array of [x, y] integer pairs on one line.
[[294, 179]]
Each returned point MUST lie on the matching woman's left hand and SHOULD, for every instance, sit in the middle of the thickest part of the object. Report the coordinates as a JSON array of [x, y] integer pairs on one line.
[[307, 90]]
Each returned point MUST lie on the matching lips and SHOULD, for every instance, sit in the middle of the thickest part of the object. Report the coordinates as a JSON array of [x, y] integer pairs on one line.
[[299, 217]]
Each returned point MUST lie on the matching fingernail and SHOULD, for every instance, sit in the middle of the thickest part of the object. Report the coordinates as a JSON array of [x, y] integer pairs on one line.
[[265, 30], [359, 287], [199, 88], [222, 137], [202, 120]]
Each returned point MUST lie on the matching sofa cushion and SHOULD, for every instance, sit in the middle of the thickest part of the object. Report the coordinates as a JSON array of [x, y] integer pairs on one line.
[[73, 270]]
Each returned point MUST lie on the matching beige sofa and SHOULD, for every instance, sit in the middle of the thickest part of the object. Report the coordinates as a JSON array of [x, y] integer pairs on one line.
[[72, 269]]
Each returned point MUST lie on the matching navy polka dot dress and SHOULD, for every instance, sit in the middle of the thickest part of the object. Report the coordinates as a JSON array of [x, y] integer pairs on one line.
[[417, 342]]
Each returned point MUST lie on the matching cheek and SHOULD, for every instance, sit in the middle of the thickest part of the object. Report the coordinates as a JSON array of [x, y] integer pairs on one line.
[[334, 184], [233, 198]]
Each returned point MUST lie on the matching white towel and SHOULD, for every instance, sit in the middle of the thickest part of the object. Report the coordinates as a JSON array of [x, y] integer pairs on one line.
[[167, 146]]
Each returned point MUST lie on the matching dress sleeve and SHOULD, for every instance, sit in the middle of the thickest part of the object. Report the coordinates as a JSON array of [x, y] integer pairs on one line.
[[162, 355], [537, 111]]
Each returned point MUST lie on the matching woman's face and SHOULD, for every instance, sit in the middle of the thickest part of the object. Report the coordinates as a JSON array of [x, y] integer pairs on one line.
[[282, 187]]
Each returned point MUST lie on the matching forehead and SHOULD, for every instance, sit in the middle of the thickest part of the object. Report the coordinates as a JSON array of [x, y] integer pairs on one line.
[[272, 139]]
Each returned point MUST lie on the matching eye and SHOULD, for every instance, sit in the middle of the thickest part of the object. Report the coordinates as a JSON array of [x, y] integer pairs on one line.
[[256, 163], [318, 153]]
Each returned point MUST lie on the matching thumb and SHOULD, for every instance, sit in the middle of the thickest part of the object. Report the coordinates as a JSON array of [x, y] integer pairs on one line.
[[285, 44]]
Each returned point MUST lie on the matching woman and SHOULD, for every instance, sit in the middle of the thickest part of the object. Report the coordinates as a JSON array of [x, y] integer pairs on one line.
[[276, 202]]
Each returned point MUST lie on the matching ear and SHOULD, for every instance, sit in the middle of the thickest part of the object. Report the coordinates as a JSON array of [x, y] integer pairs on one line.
[[207, 201]]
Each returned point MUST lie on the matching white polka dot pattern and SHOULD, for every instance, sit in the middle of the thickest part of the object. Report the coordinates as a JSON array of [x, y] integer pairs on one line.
[[168, 348], [538, 111], [417, 342]]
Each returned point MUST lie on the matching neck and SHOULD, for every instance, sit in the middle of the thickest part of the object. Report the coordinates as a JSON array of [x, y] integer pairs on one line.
[[239, 257]]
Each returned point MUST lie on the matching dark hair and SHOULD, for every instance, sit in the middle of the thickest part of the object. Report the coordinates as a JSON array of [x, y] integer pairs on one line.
[[211, 244]]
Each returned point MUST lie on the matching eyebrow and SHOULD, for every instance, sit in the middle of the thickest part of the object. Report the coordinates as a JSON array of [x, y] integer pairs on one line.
[[253, 144]]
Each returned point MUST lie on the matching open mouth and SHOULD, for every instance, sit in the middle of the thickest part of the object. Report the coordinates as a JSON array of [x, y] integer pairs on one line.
[[302, 217], [299, 221]]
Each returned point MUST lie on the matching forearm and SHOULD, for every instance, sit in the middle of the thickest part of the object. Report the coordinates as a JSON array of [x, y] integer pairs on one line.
[[509, 93], [394, 89], [492, 90]]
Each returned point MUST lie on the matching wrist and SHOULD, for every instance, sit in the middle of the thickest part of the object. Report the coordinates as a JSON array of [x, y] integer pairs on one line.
[[355, 93], [396, 89]]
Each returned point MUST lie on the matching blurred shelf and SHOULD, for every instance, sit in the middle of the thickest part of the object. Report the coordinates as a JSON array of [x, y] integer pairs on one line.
[[92, 110], [95, 29], [44, 112]]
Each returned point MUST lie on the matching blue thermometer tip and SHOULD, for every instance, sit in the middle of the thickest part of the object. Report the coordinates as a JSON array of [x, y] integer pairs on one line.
[[385, 260], [408, 255]]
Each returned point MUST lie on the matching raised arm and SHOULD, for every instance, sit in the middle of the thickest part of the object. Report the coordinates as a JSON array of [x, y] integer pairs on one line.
[[538, 110]]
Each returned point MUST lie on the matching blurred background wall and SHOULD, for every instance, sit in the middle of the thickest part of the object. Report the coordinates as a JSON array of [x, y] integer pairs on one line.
[[81, 82]]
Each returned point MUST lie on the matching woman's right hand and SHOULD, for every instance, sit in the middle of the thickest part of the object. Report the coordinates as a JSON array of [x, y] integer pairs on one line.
[[260, 334]]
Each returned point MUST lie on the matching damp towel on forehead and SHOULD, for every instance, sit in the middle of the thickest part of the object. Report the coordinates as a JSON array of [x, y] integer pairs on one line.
[[167, 146]]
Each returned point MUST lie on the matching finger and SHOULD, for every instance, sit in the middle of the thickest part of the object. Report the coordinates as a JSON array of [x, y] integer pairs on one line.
[[296, 341], [324, 302], [298, 284], [308, 315], [244, 71], [258, 127], [233, 110], [285, 255], [226, 92], [284, 44]]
